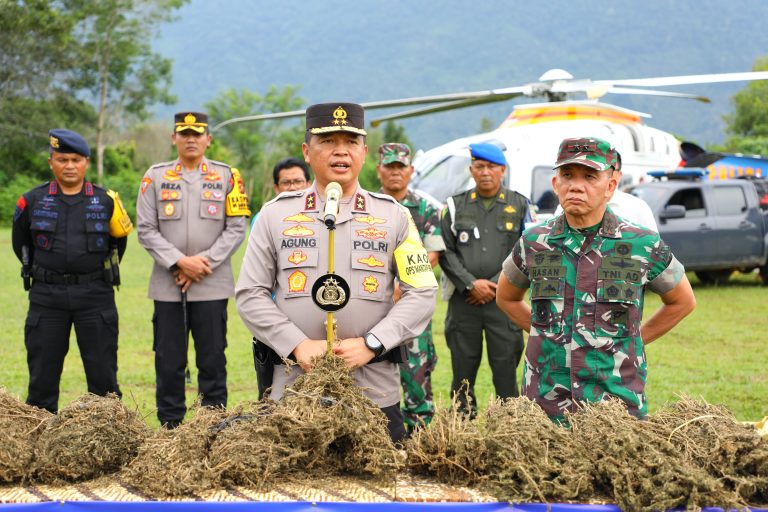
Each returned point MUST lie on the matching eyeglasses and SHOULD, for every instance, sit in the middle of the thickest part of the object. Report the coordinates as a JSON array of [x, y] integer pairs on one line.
[[291, 183], [485, 166]]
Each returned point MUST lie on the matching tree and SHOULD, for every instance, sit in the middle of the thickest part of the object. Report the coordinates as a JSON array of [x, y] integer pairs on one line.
[[256, 146], [116, 62], [748, 125]]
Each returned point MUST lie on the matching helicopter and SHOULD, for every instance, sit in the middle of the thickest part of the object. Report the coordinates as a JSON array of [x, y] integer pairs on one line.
[[531, 133]]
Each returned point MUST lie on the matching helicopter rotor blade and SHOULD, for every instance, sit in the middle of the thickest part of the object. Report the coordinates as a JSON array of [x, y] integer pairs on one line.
[[666, 81], [259, 117], [593, 94], [452, 105]]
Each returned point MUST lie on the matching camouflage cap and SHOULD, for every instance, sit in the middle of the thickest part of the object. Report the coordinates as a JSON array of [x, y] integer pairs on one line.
[[591, 152], [392, 152]]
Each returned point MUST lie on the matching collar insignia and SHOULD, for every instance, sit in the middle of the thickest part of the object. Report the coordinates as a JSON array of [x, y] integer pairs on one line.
[[360, 202], [310, 203]]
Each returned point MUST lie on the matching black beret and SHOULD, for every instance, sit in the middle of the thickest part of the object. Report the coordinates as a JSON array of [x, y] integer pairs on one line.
[[67, 141], [336, 117]]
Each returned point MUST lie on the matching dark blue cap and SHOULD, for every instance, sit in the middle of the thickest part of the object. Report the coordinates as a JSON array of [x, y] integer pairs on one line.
[[488, 152], [67, 141]]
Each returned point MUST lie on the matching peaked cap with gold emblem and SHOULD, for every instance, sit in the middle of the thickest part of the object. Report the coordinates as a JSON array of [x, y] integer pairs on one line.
[[336, 117], [196, 121]]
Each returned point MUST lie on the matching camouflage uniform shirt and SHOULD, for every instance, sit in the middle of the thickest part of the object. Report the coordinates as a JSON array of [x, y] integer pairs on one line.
[[587, 301], [427, 220]]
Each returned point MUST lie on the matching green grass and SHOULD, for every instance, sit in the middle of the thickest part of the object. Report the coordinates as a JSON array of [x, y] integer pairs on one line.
[[720, 352]]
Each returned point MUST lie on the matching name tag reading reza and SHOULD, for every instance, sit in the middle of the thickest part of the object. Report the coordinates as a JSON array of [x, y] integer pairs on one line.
[[330, 292]]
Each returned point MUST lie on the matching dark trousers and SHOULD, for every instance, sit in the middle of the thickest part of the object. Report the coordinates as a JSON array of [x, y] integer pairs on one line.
[[395, 423], [207, 321], [91, 308], [464, 327]]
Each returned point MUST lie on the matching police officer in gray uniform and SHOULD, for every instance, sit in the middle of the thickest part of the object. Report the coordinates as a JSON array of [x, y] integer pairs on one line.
[[375, 242], [192, 216], [480, 227]]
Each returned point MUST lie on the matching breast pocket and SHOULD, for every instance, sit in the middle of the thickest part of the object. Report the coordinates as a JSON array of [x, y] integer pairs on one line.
[[369, 275], [298, 271], [97, 235], [617, 309], [465, 232], [43, 230], [547, 304], [212, 204], [169, 210]]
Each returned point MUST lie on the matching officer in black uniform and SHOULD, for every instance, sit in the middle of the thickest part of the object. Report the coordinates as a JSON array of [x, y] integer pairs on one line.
[[70, 235], [480, 227]]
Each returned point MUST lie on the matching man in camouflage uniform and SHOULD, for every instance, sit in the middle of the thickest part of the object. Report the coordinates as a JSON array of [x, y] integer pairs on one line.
[[480, 227], [587, 270], [192, 216], [395, 171]]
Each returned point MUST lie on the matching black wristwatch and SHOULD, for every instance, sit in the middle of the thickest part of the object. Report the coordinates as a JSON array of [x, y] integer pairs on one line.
[[373, 344]]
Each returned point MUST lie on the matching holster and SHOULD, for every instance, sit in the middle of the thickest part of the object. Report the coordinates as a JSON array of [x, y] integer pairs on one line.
[[263, 363], [26, 268]]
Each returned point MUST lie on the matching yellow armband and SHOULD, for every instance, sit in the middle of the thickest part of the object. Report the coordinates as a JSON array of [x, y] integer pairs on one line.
[[412, 262], [120, 223], [237, 201]]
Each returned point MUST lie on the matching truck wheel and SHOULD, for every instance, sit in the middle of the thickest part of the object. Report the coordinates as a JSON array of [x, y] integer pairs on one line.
[[713, 277]]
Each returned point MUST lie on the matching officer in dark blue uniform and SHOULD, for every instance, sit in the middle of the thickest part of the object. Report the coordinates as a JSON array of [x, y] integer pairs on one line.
[[70, 235]]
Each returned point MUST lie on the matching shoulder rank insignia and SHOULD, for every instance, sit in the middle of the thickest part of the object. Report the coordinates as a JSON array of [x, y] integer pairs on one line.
[[299, 217], [370, 220], [360, 202], [310, 202], [298, 231]]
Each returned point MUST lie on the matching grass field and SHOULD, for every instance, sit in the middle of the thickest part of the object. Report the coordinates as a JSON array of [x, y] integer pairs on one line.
[[720, 352]]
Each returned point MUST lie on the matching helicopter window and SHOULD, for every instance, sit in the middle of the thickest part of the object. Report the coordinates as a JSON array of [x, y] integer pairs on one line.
[[445, 179], [693, 201], [541, 189], [730, 200]]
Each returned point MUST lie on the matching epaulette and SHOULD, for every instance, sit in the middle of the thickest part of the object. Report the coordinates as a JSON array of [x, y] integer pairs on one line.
[[384, 196], [285, 195], [170, 163], [221, 164]]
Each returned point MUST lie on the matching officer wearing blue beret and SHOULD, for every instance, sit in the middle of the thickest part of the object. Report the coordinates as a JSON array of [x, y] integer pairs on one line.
[[69, 236], [480, 227]]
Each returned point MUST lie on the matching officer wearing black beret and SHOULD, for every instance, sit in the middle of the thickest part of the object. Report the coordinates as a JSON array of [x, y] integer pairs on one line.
[[69, 235]]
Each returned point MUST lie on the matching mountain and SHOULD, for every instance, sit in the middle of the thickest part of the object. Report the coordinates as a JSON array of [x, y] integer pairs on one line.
[[372, 50]]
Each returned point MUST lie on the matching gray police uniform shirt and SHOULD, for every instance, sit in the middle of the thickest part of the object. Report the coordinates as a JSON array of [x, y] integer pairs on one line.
[[375, 242], [183, 213]]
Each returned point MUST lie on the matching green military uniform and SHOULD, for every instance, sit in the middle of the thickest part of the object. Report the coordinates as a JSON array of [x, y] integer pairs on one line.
[[415, 373], [587, 300], [587, 303], [478, 237]]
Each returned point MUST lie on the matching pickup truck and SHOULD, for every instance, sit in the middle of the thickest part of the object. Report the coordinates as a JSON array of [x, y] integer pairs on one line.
[[713, 227]]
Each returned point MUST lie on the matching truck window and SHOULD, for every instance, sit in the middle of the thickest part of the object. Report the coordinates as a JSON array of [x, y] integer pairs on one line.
[[693, 201], [730, 200]]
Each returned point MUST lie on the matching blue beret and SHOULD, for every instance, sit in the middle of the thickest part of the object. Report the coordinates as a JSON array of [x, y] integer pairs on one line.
[[67, 141], [488, 152]]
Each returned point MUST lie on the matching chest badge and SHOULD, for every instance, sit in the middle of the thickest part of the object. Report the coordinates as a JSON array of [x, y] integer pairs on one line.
[[297, 281], [213, 209], [299, 217], [509, 209], [464, 237], [509, 226], [370, 284], [370, 220], [371, 261], [371, 233], [298, 231], [330, 292], [297, 257], [169, 209]]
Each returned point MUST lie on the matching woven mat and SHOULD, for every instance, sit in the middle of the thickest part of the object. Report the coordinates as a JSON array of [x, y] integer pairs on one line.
[[403, 489]]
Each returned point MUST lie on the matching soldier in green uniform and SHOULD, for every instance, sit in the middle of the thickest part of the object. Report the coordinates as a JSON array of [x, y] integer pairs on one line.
[[587, 270], [480, 227], [395, 171]]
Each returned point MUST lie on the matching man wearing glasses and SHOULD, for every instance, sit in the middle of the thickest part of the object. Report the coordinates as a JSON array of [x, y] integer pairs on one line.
[[291, 174], [480, 227]]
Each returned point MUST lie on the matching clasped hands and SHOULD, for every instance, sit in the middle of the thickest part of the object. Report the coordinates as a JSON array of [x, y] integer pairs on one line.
[[191, 269], [352, 350], [483, 292]]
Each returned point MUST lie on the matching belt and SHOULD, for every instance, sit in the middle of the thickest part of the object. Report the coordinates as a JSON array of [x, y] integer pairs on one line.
[[55, 277]]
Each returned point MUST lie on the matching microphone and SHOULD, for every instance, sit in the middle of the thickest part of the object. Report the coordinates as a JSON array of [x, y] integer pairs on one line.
[[332, 197]]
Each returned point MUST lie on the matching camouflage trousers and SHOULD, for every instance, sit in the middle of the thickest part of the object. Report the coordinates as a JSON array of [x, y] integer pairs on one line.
[[416, 380]]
